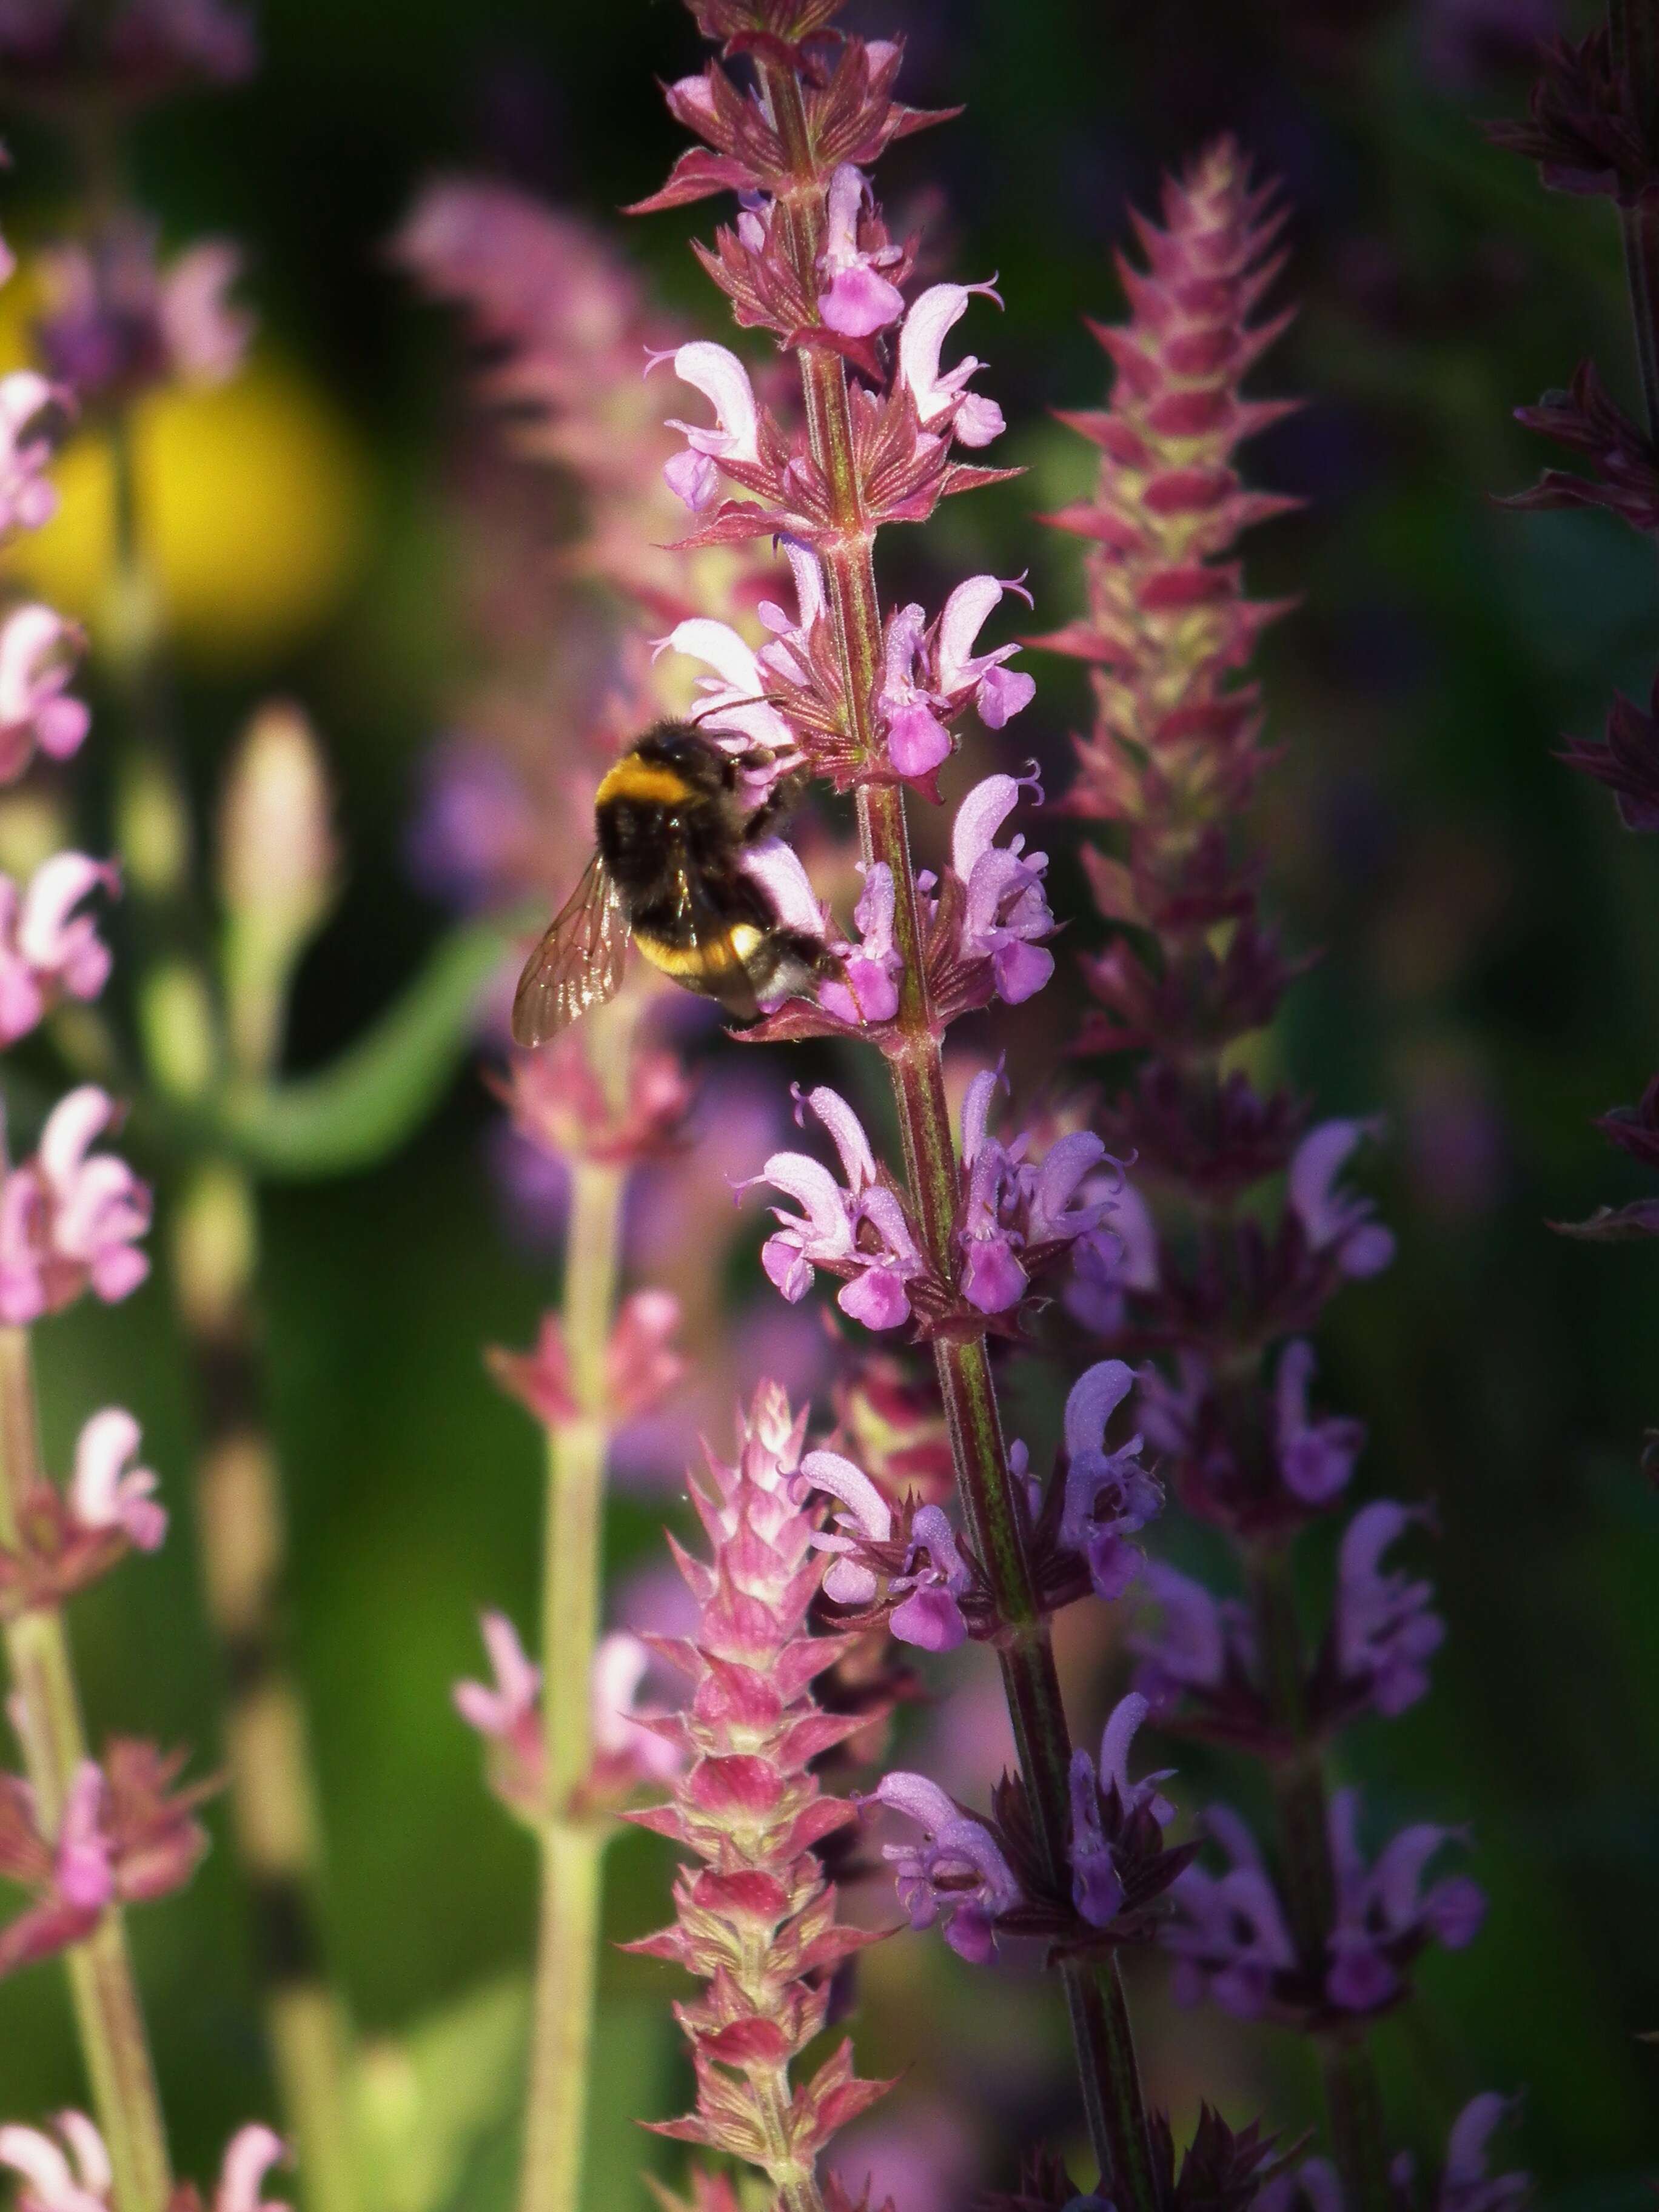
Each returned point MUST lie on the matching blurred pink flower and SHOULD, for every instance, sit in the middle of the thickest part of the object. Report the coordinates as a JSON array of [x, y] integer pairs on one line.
[[69, 1222], [37, 652], [27, 496], [46, 947]]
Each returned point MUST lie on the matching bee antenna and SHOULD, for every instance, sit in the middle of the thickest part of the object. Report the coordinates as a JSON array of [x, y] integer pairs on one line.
[[725, 706]]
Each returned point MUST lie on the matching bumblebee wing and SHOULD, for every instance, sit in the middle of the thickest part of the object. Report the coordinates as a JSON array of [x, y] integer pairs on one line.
[[702, 926], [578, 963]]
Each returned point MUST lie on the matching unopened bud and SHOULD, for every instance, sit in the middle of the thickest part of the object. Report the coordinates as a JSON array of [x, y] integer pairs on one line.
[[277, 870], [276, 855]]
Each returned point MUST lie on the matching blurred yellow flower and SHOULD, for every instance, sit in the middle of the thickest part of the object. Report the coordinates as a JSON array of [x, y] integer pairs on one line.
[[254, 503]]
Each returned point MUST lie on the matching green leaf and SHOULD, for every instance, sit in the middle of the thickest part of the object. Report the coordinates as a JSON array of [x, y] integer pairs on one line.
[[373, 1097]]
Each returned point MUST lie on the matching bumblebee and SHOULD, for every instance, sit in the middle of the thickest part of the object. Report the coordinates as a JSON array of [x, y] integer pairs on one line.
[[670, 827]]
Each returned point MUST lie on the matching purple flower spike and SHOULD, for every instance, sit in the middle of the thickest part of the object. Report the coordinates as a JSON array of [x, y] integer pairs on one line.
[[1109, 1495], [1386, 1632], [1337, 1221], [926, 1575], [957, 1872]]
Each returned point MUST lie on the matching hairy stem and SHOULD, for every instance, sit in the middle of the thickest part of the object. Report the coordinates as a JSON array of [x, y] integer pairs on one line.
[[1107, 2067], [239, 1512], [1352, 2095], [573, 1843], [108, 2013]]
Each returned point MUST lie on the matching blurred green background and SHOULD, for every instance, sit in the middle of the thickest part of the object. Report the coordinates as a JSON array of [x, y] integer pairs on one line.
[[1491, 981]]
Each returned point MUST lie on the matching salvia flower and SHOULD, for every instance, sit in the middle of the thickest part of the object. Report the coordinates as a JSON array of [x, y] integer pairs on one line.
[[1334, 1220], [46, 948], [912, 1557], [859, 1232], [932, 672], [126, 1834], [28, 404], [1316, 1457], [506, 1712], [1005, 913], [1385, 1629], [641, 1365], [557, 1100], [73, 1536], [1019, 1216], [857, 298], [1384, 1914], [1117, 1824], [944, 404], [1232, 1940], [1109, 1496], [866, 988], [71, 1219], [37, 652], [955, 1876], [756, 1920], [716, 371], [1200, 1647]]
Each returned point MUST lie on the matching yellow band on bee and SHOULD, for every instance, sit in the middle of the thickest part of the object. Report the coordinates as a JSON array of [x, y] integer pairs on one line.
[[633, 778], [732, 948]]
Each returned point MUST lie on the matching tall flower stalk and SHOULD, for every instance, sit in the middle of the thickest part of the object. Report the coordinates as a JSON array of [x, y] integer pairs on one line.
[[1594, 129], [1237, 1227], [868, 701], [566, 1754], [83, 1838]]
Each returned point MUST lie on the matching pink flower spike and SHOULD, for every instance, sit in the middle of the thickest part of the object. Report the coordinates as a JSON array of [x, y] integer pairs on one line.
[[249, 2156], [105, 1492], [38, 650], [857, 299], [940, 396]]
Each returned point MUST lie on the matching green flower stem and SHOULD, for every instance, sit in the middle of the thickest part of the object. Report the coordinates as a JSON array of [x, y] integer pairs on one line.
[[572, 1840], [1353, 2095], [102, 1984], [1107, 2068]]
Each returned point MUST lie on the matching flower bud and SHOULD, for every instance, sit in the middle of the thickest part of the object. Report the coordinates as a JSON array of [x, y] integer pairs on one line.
[[277, 865]]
